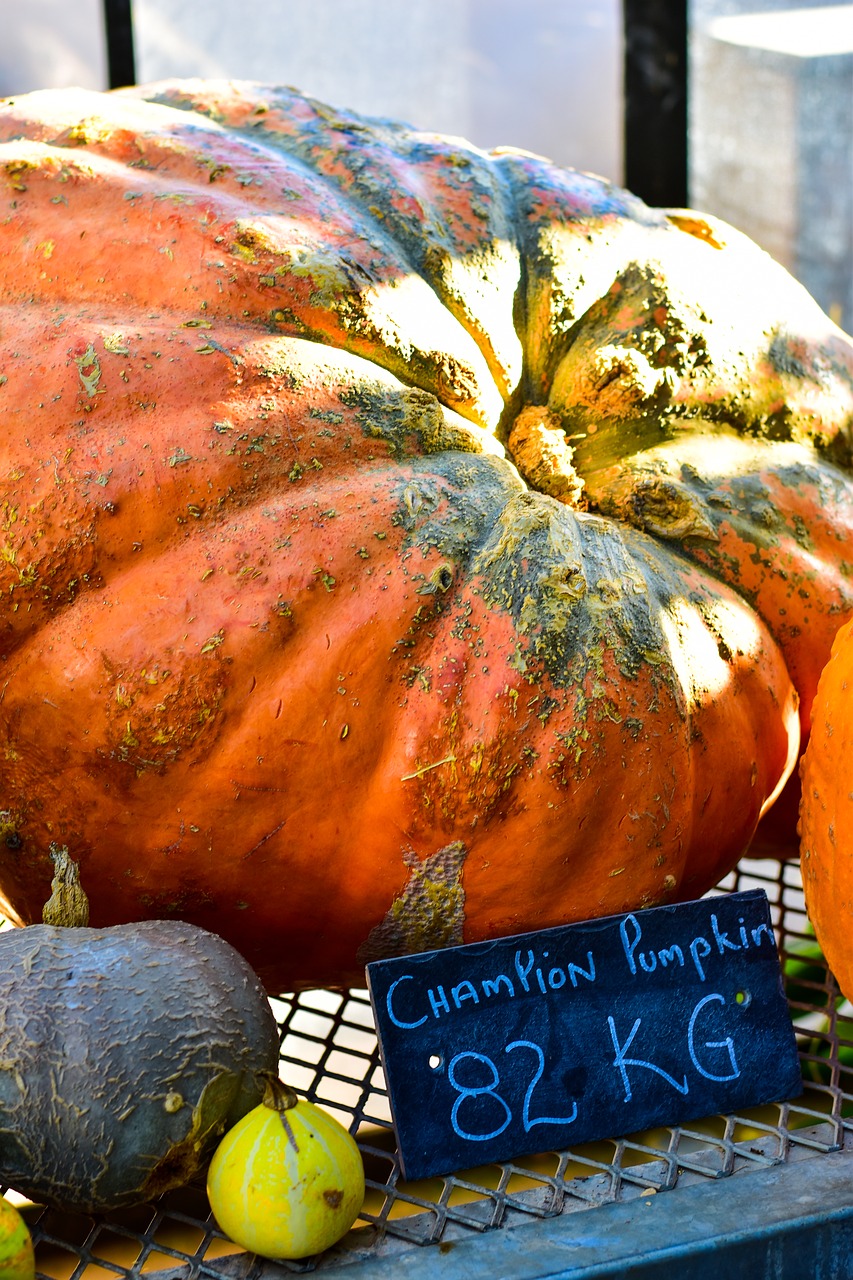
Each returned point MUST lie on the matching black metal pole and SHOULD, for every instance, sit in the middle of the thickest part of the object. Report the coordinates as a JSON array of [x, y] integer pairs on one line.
[[118, 25], [655, 70]]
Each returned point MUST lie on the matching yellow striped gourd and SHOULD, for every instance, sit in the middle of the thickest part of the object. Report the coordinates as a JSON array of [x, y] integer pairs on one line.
[[287, 1181]]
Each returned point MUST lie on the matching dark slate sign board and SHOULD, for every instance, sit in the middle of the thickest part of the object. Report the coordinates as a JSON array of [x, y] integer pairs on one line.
[[543, 1040]]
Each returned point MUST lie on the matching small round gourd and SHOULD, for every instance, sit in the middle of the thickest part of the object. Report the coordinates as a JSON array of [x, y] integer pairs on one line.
[[287, 1181], [17, 1258]]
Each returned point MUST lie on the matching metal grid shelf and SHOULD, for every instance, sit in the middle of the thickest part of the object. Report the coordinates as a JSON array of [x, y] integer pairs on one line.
[[329, 1054]]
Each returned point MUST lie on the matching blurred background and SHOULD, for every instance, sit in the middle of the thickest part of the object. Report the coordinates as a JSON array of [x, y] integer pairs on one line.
[[761, 90]]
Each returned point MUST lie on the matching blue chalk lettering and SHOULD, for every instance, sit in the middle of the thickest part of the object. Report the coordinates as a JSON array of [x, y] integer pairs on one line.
[[491, 986], [521, 971], [438, 1000], [407, 1026], [467, 1092], [622, 1062], [465, 991], [766, 931], [669, 955], [726, 1044], [700, 946], [576, 971], [556, 979], [722, 939], [526, 1117], [629, 945]]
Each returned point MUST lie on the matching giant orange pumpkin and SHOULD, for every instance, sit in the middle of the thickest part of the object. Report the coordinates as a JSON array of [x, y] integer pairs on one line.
[[402, 544], [826, 812]]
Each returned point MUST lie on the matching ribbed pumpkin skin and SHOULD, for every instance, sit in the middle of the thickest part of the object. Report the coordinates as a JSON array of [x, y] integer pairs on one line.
[[826, 812], [291, 649]]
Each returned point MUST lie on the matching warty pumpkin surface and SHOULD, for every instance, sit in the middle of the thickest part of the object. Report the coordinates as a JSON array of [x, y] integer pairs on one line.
[[826, 812], [402, 544]]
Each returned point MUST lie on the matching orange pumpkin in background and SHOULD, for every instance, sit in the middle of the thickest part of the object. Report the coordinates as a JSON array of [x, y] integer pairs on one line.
[[826, 812], [403, 544]]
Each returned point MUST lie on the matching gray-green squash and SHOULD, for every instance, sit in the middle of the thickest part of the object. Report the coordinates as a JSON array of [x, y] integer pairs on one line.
[[124, 1054]]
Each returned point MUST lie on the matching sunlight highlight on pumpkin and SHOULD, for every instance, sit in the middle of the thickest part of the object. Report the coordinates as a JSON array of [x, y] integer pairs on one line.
[[346, 670]]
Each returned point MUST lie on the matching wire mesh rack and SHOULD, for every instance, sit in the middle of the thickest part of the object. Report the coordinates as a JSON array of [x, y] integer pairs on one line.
[[329, 1054]]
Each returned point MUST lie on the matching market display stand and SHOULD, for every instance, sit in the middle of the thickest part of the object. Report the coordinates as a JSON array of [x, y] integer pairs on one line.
[[766, 1195], [794, 1222]]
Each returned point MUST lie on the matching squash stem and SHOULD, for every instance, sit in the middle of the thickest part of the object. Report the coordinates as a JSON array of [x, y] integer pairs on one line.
[[67, 906], [278, 1096]]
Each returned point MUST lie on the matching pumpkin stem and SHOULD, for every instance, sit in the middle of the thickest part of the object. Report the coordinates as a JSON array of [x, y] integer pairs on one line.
[[68, 905], [539, 448], [278, 1096]]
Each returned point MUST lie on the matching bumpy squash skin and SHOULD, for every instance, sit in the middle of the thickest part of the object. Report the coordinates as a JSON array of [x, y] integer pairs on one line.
[[826, 813], [291, 647], [124, 1054]]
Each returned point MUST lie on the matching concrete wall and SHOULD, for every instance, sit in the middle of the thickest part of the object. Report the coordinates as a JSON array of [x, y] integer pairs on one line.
[[46, 43], [544, 75], [771, 133], [771, 124]]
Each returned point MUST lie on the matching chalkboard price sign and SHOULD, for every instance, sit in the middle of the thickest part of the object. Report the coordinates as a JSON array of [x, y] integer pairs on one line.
[[543, 1040]]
